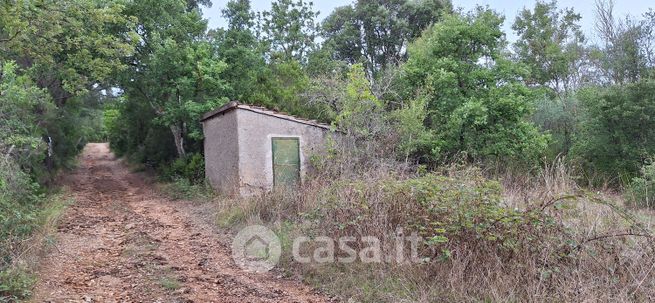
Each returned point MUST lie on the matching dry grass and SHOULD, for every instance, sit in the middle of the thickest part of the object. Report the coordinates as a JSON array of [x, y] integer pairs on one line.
[[589, 247]]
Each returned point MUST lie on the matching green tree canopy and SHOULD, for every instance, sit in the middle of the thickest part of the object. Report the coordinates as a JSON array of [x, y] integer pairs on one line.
[[551, 44], [290, 29], [376, 33], [477, 102], [239, 48], [617, 135], [174, 70]]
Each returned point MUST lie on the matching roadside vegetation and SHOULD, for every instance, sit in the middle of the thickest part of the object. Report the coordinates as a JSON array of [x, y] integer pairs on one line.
[[527, 166]]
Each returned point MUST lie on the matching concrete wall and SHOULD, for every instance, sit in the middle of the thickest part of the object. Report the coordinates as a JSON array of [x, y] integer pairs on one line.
[[255, 131], [222, 152]]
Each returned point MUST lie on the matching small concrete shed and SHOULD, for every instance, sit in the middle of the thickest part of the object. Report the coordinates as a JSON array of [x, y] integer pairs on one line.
[[250, 149]]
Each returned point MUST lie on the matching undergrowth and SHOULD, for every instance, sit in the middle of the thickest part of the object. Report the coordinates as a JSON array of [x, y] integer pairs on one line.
[[483, 240], [183, 189], [21, 252]]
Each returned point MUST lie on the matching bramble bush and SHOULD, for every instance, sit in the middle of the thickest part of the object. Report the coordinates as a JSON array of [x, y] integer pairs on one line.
[[479, 246]]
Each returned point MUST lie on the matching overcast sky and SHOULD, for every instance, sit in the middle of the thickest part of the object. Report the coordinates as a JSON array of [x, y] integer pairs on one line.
[[507, 7]]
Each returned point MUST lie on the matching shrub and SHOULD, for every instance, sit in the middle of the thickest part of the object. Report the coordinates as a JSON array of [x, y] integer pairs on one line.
[[191, 168], [618, 130], [641, 191], [559, 117], [478, 109], [476, 246], [28, 215], [449, 212], [183, 189], [15, 284]]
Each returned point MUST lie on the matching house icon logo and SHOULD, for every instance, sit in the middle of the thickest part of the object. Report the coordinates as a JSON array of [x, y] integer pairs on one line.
[[256, 248]]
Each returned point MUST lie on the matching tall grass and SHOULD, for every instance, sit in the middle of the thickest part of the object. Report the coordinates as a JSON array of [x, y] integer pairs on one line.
[[515, 238]]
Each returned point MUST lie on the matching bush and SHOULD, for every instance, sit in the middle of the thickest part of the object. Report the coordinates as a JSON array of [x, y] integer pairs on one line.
[[191, 168], [641, 191], [132, 132], [25, 214], [476, 109], [454, 214], [15, 284], [617, 132], [481, 247], [559, 117]]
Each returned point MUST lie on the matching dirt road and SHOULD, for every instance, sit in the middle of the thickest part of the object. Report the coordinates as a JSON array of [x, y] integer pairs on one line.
[[123, 242]]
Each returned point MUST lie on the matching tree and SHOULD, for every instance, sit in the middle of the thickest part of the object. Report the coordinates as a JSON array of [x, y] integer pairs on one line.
[[377, 32], [626, 55], [617, 134], [551, 44], [68, 46], [477, 103], [173, 70], [285, 83], [55, 58], [238, 47], [360, 111], [70, 49], [290, 29], [341, 31], [21, 126]]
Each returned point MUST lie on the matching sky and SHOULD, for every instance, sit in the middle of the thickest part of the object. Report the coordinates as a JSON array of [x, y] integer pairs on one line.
[[509, 8]]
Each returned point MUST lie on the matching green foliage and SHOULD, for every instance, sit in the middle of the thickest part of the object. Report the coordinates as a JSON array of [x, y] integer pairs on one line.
[[458, 211], [464, 212], [415, 140], [290, 29], [617, 132], [65, 51], [19, 201], [626, 51], [477, 103], [551, 44], [55, 59], [21, 128], [171, 81], [191, 168], [376, 33], [287, 81], [238, 47], [560, 118], [22, 152], [641, 191], [361, 112], [22, 212], [68, 44], [15, 284]]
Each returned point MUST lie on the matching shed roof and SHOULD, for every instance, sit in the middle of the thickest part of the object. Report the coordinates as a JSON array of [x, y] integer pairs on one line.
[[261, 110]]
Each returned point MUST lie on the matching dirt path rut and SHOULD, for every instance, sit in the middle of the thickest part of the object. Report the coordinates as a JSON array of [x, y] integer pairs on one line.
[[122, 242]]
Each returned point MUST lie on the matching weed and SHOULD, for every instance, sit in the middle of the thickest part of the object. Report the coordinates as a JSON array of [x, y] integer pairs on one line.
[[183, 189], [169, 283], [522, 239], [16, 283], [641, 191]]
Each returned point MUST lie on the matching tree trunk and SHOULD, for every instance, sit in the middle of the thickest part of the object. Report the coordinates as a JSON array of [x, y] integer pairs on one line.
[[179, 139]]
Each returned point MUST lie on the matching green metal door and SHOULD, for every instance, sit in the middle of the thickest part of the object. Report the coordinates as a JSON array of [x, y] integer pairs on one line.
[[286, 161]]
